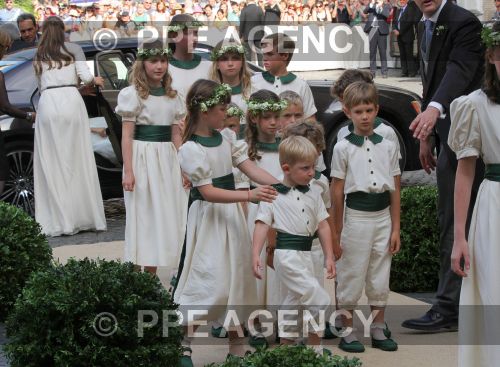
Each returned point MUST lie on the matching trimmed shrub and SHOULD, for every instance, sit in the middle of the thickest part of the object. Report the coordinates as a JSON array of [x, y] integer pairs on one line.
[[86, 313], [23, 250], [286, 356], [416, 267]]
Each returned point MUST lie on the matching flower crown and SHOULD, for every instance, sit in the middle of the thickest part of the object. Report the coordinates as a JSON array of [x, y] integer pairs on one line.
[[490, 37], [267, 105], [146, 53], [220, 93], [184, 25], [237, 49], [234, 111]]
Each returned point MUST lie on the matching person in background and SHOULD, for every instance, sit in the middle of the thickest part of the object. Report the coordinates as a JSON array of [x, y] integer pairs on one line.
[[272, 14], [251, 19], [404, 25], [356, 13], [496, 16], [233, 15], [9, 13], [8, 109], [320, 14], [377, 29], [28, 28], [342, 12], [125, 24]]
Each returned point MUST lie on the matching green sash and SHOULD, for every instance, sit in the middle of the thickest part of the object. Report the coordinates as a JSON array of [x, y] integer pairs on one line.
[[287, 241], [155, 133], [368, 202], [492, 172], [224, 182]]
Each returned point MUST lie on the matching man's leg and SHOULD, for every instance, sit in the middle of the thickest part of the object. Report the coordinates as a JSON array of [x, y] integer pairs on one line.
[[410, 59], [403, 58], [373, 37], [382, 49]]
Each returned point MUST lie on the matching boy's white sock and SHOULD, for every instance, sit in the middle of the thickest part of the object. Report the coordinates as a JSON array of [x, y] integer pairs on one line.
[[351, 337], [377, 331]]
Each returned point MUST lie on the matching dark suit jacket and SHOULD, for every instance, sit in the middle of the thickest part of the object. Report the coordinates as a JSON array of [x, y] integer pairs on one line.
[[272, 15], [407, 25], [19, 44], [383, 27], [455, 60], [251, 16]]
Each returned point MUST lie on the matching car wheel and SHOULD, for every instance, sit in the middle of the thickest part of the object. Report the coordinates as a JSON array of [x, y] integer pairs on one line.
[[19, 187]]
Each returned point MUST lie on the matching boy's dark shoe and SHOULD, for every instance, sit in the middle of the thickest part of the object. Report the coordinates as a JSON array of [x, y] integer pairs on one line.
[[387, 345], [186, 360], [352, 347], [329, 334], [432, 321], [219, 332], [257, 341]]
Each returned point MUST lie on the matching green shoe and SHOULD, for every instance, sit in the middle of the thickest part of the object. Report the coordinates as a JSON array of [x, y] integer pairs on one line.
[[329, 334], [257, 341], [387, 345], [219, 332], [185, 360], [387, 332], [352, 347]]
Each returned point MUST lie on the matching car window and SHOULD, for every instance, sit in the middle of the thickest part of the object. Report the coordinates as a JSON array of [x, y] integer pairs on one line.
[[113, 70]]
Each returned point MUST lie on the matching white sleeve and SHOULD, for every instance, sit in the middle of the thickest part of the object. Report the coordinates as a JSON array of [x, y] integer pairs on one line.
[[194, 163], [265, 213], [308, 101], [180, 110], [82, 68], [239, 148], [465, 132], [339, 162], [129, 104]]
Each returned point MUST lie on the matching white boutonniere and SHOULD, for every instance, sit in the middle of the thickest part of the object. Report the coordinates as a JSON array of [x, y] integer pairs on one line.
[[440, 29]]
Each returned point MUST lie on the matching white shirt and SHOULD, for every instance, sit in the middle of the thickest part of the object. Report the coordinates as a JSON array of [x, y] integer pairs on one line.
[[294, 212], [184, 74], [287, 82], [368, 168]]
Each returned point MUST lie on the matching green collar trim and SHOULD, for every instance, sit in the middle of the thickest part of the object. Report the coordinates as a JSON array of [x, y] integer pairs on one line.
[[288, 78], [236, 90], [317, 175], [269, 147], [283, 189], [376, 124], [208, 141], [158, 92], [187, 65], [358, 140]]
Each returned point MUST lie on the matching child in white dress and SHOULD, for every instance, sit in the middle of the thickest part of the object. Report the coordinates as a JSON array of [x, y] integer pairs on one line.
[[474, 133], [217, 240], [229, 66], [185, 66], [155, 200]]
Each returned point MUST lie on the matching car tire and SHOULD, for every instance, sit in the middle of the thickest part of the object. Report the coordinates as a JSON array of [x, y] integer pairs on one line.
[[19, 187]]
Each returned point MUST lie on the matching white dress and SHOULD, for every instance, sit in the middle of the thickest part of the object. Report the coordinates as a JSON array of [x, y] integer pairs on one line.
[[268, 288], [67, 193], [185, 73], [157, 208], [217, 269], [475, 131]]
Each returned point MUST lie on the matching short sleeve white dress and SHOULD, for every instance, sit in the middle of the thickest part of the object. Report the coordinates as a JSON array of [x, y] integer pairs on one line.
[[217, 271], [67, 192], [157, 208], [475, 132]]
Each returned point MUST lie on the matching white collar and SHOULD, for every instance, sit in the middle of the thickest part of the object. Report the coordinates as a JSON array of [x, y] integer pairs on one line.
[[435, 16]]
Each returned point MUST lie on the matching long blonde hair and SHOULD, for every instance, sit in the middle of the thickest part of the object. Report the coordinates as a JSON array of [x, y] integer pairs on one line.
[[245, 76], [201, 89], [51, 49], [139, 79], [6, 41], [252, 130]]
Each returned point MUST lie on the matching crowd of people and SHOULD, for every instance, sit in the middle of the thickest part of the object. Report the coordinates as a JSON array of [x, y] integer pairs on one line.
[[219, 164]]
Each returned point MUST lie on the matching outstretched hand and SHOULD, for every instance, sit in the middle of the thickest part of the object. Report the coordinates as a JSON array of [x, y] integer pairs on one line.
[[263, 193]]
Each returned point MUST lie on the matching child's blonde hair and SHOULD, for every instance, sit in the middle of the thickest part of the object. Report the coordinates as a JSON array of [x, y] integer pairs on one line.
[[251, 130], [139, 79], [296, 149], [312, 131], [360, 93], [200, 91], [292, 98], [245, 76], [282, 43]]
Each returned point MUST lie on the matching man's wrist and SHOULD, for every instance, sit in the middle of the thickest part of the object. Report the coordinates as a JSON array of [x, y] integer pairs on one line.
[[440, 109]]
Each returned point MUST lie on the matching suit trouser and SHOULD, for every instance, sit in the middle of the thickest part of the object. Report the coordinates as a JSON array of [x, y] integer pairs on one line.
[[379, 41], [448, 292], [408, 61]]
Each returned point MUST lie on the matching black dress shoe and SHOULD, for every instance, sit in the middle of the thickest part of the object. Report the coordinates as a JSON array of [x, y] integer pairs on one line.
[[432, 321]]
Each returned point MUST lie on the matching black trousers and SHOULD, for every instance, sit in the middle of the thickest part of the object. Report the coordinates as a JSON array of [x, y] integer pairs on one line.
[[408, 61], [448, 292], [378, 42]]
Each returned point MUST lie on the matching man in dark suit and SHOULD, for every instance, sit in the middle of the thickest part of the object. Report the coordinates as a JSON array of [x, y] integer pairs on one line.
[[377, 28], [251, 21], [405, 23], [28, 28], [451, 66]]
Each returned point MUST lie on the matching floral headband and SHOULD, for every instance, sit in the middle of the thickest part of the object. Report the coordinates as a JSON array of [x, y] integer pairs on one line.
[[234, 111], [220, 93], [267, 105], [237, 49], [490, 38], [184, 25], [146, 53]]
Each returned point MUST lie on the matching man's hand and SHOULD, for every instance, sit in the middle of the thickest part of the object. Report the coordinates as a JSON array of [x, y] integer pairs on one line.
[[424, 123], [427, 159]]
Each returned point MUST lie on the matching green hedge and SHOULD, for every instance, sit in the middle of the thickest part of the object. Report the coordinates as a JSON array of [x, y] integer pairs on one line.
[[23, 250], [25, 5], [64, 317], [416, 267], [287, 356]]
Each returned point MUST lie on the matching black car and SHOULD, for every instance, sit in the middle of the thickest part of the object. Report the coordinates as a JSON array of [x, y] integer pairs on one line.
[[396, 107]]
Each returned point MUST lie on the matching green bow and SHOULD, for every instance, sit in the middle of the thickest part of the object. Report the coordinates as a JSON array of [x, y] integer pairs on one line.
[[283, 189]]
